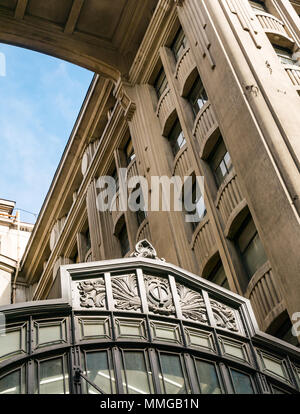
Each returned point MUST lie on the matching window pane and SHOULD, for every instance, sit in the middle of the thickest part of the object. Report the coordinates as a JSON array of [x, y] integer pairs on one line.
[[13, 383], [52, 379], [172, 378], [219, 277], [242, 383], [179, 44], [136, 380], [176, 138], [208, 379], [197, 96], [274, 366], [10, 343], [124, 242], [160, 83], [98, 371], [49, 334], [254, 256]]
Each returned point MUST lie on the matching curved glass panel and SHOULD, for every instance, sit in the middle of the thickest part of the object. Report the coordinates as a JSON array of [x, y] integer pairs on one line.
[[51, 377], [99, 371], [241, 382], [207, 377], [172, 377], [136, 374], [13, 383]]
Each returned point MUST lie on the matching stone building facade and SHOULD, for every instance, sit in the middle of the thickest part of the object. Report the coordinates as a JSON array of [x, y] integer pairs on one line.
[[206, 88]]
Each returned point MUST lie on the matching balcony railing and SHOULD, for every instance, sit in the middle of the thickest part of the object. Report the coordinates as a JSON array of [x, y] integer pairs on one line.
[[132, 169], [265, 298], [203, 242], [182, 163], [205, 124], [143, 231], [293, 72], [184, 68], [165, 107], [229, 199], [272, 25]]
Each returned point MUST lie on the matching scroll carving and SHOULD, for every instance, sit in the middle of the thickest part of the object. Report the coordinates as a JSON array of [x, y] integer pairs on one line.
[[125, 292], [159, 295], [145, 249], [92, 293], [126, 102], [192, 304], [224, 316]]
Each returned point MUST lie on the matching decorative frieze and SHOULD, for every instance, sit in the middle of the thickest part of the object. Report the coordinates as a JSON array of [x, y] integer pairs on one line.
[[125, 292], [159, 295], [224, 316], [92, 293], [192, 304]]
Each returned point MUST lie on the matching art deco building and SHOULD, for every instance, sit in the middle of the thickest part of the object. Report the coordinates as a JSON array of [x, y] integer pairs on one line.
[[182, 88]]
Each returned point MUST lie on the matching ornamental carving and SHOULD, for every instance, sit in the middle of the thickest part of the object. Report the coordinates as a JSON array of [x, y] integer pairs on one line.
[[159, 295], [92, 293], [224, 316], [145, 249], [125, 292], [192, 304]]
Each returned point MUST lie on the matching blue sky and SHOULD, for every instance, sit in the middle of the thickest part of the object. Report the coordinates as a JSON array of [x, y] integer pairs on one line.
[[40, 98]]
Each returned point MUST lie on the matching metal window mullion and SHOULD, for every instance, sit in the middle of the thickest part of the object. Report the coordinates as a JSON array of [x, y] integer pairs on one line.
[[191, 374], [118, 374], [227, 379], [154, 365], [124, 370]]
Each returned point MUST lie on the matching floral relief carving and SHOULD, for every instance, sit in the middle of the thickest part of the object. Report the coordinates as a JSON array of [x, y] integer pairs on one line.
[[224, 316], [92, 293], [125, 292], [192, 304], [159, 295]]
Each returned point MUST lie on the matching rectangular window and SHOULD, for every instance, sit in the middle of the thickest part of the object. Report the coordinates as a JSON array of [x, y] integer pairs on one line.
[[98, 369], [197, 96], [179, 44], [251, 249], [13, 383], [285, 55], [124, 241], [242, 383], [218, 276], [160, 83], [129, 152], [176, 137], [220, 163], [207, 377], [172, 377], [52, 377], [136, 373], [257, 5]]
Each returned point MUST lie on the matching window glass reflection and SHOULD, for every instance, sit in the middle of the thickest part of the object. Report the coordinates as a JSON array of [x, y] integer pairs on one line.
[[241, 382], [136, 374], [172, 376], [207, 377], [13, 383], [99, 371], [51, 377]]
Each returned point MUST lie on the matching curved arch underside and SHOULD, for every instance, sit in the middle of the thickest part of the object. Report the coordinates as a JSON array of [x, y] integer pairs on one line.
[[100, 35]]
